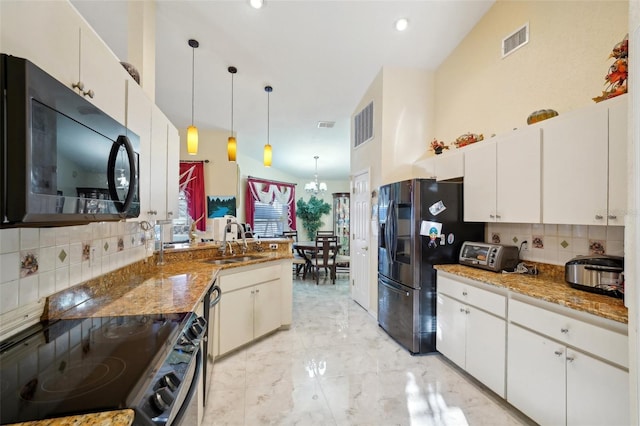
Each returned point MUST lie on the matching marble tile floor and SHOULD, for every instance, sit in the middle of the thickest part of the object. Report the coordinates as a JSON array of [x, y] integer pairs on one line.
[[335, 366]]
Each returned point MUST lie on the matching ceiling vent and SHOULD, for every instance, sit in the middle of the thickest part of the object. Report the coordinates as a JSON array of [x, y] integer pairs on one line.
[[515, 40], [326, 124], [363, 125]]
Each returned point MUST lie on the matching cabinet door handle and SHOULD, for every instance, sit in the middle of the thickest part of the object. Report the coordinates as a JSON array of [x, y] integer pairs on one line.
[[253, 292], [498, 216], [90, 93], [599, 217], [492, 216], [613, 216], [464, 293], [462, 310], [466, 311], [558, 352], [79, 85], [564, 330], [570, 358], [258, 291]]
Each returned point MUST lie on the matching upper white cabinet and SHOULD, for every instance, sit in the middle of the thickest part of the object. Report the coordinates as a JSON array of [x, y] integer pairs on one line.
[[139, 122], [584, 165], [158, 165], [502, 178], [618, 119], [448, 165], [57, 39]]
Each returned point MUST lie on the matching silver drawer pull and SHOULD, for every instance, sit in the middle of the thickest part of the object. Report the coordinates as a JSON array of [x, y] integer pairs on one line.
[[464, 293], [613, 216], [461, 309], [599, 217], [570, 358], [558, 353], [564, 330]]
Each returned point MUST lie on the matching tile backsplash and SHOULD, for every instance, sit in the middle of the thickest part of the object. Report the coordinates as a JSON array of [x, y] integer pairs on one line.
[[557, 244], [37, 262]]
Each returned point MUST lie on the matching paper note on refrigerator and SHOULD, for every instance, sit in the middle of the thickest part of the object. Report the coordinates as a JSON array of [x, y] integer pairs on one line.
[[428, 228], [437, 208]]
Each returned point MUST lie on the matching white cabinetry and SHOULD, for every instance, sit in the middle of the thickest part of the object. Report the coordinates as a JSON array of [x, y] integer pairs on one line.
[[502, 178], [55, 37], [471, 330], [164, 166], [556, 370], [584, 165], [139, 122], [256, 300], [448, 165]]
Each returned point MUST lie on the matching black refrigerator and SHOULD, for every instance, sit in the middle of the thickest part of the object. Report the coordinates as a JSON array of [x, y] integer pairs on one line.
[[420, 225]]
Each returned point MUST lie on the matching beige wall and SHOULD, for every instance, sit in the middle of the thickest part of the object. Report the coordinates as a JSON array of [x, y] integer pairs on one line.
[[562, 67], [407, 120]]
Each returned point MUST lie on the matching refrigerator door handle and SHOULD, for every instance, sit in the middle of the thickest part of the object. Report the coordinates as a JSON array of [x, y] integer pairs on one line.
[[390, 232], [394, 232], [394, 288]]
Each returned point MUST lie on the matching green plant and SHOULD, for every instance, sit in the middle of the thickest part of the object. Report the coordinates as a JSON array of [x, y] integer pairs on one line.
[[310, 212]]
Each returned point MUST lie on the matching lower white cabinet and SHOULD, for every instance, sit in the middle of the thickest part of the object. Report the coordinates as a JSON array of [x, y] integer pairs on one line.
[[256, 300], [471, 331], [561, 369]]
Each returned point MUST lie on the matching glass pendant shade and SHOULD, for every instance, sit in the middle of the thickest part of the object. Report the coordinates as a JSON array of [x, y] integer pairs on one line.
[[267, 155], [231, 148], [192, 140]]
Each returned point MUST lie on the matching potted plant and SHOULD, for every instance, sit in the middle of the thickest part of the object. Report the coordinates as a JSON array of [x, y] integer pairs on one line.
[[310, 212]]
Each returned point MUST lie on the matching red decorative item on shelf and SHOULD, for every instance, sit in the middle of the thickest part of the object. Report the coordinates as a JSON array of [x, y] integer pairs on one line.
[[616, 79], [467, 139]]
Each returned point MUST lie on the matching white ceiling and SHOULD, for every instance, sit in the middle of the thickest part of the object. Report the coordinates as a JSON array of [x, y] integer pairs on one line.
[[319, 56]]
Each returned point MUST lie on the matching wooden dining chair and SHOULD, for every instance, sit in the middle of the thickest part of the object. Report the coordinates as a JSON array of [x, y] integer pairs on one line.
[[324, 233], [326, 251], [299, 262]]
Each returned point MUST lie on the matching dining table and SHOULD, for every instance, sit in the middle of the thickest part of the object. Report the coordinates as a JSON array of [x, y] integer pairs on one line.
[[307, 250]]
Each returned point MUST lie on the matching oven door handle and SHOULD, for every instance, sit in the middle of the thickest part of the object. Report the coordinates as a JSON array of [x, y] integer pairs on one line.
[[214, 302], [192, 391]]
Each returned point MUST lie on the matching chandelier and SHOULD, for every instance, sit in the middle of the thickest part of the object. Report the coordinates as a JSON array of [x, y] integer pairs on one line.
[[314, 187]]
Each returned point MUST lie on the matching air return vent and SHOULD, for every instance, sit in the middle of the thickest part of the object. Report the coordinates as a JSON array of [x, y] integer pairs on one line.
[[515, 40], [326, 124], [363, 125]]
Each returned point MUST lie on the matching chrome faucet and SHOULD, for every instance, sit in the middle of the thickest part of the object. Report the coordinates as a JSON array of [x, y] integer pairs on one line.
[[224, 241]]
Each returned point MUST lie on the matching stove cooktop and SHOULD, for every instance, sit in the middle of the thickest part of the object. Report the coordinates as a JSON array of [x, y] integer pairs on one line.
[[82, 366]]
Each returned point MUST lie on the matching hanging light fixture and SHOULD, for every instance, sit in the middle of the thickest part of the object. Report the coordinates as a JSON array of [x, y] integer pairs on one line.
[[192, 131], [231, 142], [268, 154], [315, 187]]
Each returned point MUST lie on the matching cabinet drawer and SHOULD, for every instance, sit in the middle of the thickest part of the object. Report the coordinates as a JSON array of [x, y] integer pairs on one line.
[[474, 296], [604, 343], [240, 279]]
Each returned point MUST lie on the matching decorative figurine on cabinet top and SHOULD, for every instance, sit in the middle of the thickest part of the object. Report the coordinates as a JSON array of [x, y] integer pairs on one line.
[[438, 146], [467, 139], [616, 79]]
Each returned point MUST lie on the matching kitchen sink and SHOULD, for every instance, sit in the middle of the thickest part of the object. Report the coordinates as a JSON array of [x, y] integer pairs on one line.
[[234, 259]]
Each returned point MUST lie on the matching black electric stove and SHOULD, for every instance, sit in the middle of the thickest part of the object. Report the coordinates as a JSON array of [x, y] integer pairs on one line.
[[81, 366]]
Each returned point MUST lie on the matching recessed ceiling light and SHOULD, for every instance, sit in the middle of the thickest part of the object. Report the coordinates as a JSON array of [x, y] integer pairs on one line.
[[256, 4], [402, 24]]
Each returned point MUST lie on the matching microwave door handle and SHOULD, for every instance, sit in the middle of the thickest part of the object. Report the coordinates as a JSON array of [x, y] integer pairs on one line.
[[121, 142]]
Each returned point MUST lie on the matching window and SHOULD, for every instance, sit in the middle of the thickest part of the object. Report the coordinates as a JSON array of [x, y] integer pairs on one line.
[[270, 219], [270, 207]]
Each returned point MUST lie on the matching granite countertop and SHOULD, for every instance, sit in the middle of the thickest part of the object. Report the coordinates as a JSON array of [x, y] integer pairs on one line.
[[550, 286], [108, 418], [150, 288]]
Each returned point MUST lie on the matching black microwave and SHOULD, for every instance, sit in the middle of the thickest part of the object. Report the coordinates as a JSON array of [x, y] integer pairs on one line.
[[63, 160]]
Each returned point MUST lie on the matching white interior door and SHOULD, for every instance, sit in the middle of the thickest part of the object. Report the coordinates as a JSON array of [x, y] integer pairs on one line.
[[360, 247]]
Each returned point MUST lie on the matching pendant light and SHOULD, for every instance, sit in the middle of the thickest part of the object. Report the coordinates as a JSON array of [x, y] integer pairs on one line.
[[231, 142], [192, 131], [268, 154]]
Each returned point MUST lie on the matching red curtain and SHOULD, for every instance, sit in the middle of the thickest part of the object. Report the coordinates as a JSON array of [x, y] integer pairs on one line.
[[192, 183], [267, 191]]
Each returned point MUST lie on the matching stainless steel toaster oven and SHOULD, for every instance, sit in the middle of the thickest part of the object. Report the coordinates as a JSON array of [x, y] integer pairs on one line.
[[493, 257]]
